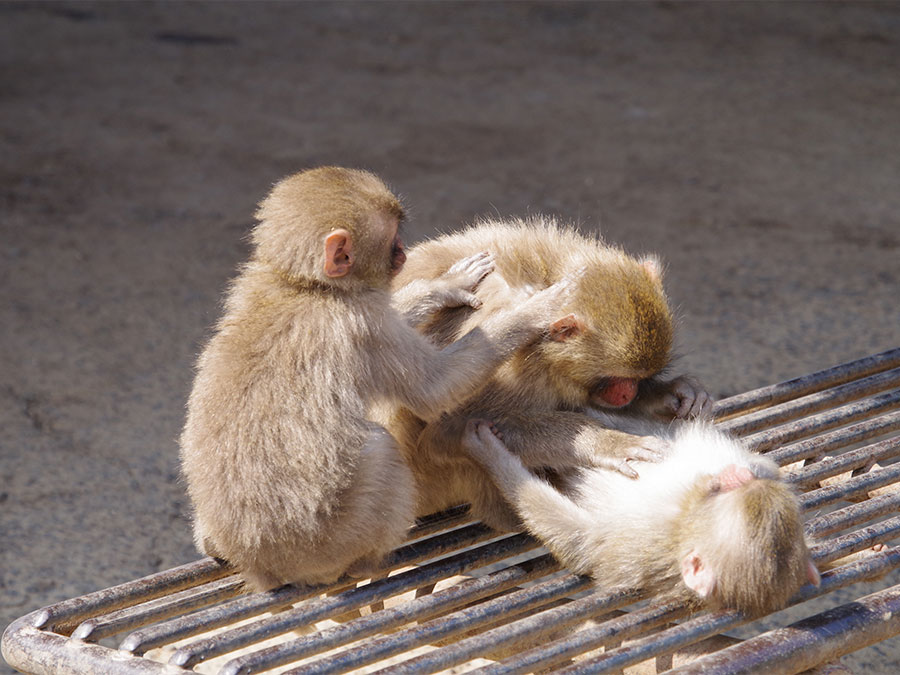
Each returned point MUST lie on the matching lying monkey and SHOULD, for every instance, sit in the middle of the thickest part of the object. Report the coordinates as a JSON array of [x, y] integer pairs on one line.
[[712, 524]]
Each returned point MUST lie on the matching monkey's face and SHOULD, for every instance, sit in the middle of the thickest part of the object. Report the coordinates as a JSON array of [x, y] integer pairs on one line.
[[745, 535]]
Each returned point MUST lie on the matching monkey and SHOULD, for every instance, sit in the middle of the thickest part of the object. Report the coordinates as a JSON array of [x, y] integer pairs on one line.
[[608, 350], [712, 524], [290, 479]]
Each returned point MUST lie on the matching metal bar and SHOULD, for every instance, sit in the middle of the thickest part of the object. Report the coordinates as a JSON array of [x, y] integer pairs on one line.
[[612, 631], [810, 642], [63, 616], [837, 417], [98, 627], [440, 521], [465, 620], [850, 488], [852, 515], [819, 445], [259, 603], [849, 461], [467, 591], [321, 608], [857, 540], [34, 650], [701, 627], [533, 627], [807, 384], [145, 639]]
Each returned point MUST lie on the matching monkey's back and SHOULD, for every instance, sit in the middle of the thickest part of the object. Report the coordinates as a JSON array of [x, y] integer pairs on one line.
[[267, 449]]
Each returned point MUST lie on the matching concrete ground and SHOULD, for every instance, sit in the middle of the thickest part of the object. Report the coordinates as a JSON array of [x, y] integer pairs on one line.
[[755, 147]]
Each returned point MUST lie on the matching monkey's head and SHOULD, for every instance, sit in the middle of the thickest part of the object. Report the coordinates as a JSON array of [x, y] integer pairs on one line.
[[742, 546], [332, 226], [619, 333]]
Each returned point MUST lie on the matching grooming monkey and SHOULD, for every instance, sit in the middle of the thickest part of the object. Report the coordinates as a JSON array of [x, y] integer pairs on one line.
[[606, 351], [711, 524], [289, 479]]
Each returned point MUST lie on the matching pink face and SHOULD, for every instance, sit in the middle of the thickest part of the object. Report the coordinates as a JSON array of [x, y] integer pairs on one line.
[[615, 392]]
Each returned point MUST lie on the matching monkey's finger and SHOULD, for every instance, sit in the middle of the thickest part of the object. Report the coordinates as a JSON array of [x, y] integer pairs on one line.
[[646, 454], [626, 469], [470, 299], [700, 403]]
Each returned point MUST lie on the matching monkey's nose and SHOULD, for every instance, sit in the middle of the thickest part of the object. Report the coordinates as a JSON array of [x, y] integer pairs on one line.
[[618, 391]]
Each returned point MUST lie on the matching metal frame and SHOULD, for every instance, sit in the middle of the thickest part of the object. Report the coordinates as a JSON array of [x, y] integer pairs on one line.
[[457, 593]]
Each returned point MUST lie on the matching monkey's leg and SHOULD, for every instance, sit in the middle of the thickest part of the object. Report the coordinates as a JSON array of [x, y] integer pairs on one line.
[[372, 516], [555, 519]]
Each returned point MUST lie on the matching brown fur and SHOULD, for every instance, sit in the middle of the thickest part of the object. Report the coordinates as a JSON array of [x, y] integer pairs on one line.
[[623, 328], [289, 478]]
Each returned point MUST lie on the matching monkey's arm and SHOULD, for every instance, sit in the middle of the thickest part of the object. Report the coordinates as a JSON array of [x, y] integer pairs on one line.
[[429, 381], [558, 440], [555, 519], [679, 398], [420, 299]]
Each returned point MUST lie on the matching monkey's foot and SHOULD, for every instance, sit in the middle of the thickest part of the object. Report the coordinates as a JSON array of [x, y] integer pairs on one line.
[[482, 439]]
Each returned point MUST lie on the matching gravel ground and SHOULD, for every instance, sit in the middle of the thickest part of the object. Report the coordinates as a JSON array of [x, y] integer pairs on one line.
[[754, 146]]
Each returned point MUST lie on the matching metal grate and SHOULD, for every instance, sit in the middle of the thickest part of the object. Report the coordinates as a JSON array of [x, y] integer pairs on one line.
[[457, 597]]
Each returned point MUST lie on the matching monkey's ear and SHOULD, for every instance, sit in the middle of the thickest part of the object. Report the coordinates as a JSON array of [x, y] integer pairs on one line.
[[697, 575], [653, 267], [566, 328], [338, 253]]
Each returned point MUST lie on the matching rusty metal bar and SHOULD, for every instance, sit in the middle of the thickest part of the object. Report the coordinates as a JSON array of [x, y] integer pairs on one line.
[[849, 461], [856, 486], [810, 642], [778, 393], [145, 639], [183, 627], [440, 521], [465, 620], [321, 608], [852, 412], [854, 514], [833, 440], [533, 627], [612, 631], [856, 541], [63, 616], [35, 650], [98, 627], [426, 606], [701, 627]]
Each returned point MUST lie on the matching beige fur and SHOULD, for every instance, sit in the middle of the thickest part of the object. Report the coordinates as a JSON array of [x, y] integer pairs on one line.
[[682, 529], [289, 478], [621, 326]]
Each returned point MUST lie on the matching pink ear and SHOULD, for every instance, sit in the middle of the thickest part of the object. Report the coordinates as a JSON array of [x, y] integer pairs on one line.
[[812, 573], [697, 576], [338, 253], [565, 328], [653, 268]]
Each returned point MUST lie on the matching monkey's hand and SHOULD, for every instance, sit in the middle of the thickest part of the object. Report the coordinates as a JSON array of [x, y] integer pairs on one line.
[[459, 283], [420, 299], [681, 398], [638, 449]]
